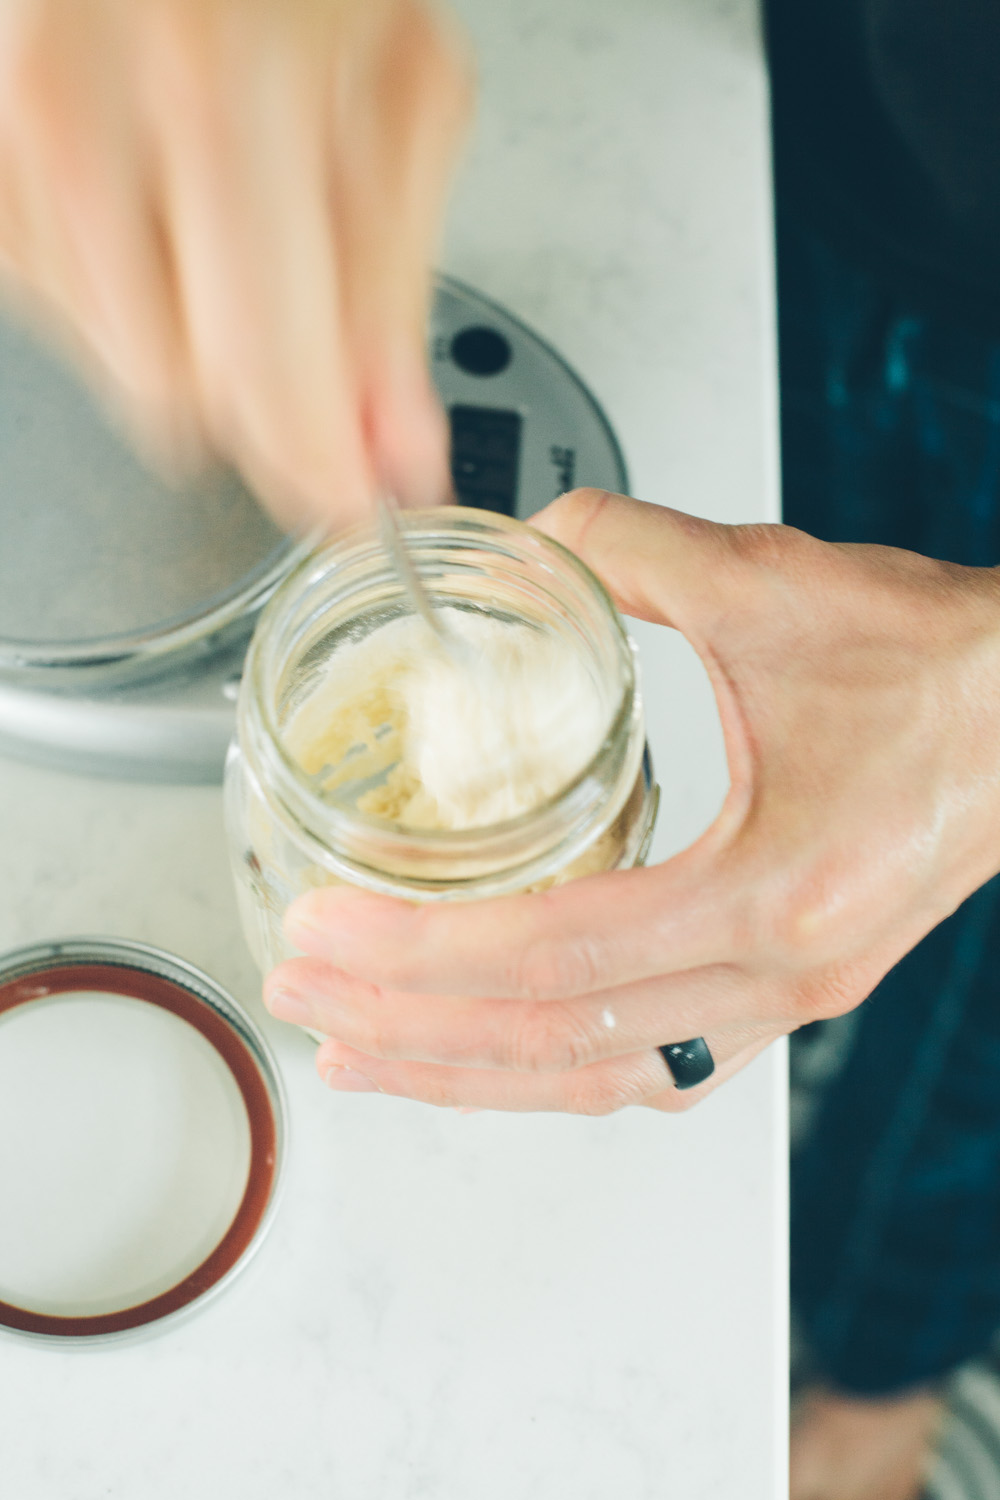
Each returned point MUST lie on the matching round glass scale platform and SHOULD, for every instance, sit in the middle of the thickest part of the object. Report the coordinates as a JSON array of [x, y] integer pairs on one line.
[[126, 605]]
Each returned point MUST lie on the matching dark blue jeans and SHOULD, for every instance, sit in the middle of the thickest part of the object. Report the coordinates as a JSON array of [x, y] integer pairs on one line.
[[891, 434]]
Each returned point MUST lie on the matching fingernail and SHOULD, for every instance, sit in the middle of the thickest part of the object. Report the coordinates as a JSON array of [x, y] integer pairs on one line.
[[348, 1080], [286, 1006]]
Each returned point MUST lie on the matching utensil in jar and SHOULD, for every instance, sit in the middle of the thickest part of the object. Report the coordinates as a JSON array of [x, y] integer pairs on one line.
[[394, 541]]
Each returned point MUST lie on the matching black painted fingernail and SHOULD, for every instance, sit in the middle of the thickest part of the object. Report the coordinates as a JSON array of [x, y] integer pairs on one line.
[[690, 1063]]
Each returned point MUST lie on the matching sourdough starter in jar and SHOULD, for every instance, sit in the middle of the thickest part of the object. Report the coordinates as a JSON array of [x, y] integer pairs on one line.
[[369, 753]]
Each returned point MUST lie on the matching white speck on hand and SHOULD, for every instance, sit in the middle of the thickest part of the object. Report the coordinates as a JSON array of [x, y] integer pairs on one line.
[[608, 1017]]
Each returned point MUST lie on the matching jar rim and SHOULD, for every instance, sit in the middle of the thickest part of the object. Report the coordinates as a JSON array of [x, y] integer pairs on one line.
[[582, 795]]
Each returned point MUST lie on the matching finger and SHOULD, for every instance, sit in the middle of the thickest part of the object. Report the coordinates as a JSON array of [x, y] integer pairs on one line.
[[28, 86], [238, 122], [680, 570], [41, 278], [397, 114], [589, 935], [76, 218], [600, 1089], [522, 1035], [675, 1101], [658, 564]]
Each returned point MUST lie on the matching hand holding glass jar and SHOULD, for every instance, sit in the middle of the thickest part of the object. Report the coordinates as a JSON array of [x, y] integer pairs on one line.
[[365, 757], [857, 688]]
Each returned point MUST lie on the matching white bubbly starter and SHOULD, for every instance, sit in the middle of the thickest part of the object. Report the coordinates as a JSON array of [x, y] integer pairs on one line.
[[433, 743]]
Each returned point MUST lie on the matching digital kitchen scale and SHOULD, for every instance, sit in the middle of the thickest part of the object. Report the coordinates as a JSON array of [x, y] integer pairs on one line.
[[126, 605]]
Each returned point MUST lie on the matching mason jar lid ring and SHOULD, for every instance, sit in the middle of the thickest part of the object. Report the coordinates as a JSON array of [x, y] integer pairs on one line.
[[118, 968]]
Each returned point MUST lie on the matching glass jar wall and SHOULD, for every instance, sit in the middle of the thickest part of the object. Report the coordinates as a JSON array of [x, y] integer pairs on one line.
[[288, 832]]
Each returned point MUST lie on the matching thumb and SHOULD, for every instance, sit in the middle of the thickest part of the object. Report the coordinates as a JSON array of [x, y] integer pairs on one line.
[[658, 564], [671, 569]]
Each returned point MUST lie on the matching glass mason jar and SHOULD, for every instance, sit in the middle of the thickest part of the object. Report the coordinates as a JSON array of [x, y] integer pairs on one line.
[[286, 836]]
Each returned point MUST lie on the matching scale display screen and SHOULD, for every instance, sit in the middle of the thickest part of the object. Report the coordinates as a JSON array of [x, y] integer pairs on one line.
[[485, 456]]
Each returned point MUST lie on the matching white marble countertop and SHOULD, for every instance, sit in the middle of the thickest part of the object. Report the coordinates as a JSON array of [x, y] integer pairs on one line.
[[485, 1307]]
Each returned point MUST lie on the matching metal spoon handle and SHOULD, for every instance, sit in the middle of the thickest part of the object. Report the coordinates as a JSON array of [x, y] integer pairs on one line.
[[395, 544]]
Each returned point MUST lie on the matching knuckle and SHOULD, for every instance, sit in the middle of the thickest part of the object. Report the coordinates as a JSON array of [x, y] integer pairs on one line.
[[574, 511], [434, 1091], [547, 970], [550, 1038], [805, 919], [829, 994], [600, 1091], [791, 1003], [427, 1085], [358, 1015], [396, 973], [769, 547], [370, 1037], [762, 543]]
